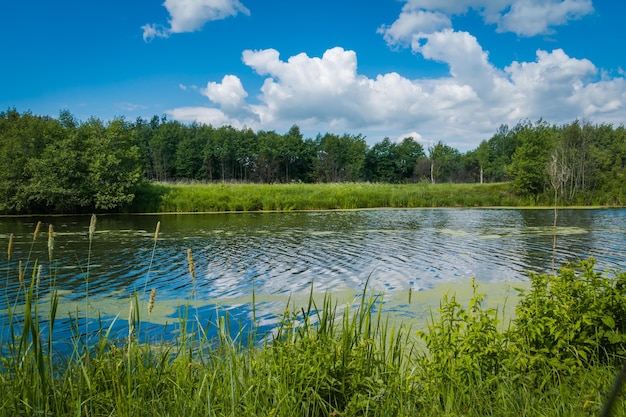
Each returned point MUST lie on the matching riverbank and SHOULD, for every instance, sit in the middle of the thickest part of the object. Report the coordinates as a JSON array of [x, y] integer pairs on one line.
[[157, 197], [190, 198]]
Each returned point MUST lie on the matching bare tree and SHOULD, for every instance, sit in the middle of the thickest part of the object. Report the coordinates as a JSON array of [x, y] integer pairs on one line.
[[558, 173]]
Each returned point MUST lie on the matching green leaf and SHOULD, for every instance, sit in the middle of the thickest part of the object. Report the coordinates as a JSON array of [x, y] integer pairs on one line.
[[608, 321]]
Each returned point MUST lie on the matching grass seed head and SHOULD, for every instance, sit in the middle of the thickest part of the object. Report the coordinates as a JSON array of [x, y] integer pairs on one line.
[[156, 232], [10, 247], [37, 229], [39, 269], [50, 241], [151, 301], [192, 269], [92, 226]]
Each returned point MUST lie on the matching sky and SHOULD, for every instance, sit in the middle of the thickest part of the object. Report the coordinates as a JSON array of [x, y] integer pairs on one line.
[[435, 70]]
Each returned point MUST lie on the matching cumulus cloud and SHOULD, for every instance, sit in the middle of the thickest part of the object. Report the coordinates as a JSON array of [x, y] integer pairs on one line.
[[411, 24], [415, 136], [522, 17], [327, 93], [530, 18], [229, 94], [191, 15]]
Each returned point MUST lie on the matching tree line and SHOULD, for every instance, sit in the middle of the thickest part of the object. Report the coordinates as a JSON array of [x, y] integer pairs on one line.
[[65, 165]]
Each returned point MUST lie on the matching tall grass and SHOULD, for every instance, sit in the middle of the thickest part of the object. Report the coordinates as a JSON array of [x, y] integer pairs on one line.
[[323, 359], [288, 197]]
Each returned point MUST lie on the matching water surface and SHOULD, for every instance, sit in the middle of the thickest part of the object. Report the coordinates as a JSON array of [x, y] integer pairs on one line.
[[280, 255]]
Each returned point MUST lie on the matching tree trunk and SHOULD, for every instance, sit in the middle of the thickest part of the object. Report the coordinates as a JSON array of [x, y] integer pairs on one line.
[[432, 172]]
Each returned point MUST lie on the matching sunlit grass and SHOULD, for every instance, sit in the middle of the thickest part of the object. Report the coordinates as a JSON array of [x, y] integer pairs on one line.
[[342, 196]]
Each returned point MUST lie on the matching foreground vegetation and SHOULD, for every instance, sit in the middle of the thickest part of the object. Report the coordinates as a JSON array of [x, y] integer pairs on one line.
[[64, 165], [558, 356]]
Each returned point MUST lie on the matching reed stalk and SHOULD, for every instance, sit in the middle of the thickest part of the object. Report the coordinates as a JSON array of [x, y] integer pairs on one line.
[[9, 250], [154, 243], [91, 233]]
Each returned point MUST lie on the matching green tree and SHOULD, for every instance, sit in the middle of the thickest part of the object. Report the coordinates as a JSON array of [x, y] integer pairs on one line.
[[224, 151], [246, 153], [22, 138], [113, 164], [58, 176], [340, 158], [607, 171], [380, 162], [407, 155], [502, 146], [81, 167], [163, 144], [292, 151], [144, 131], [444, 161], [530, 160], [268, 161], [189, 160]]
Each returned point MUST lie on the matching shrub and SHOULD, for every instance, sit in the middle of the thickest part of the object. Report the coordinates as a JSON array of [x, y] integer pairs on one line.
[[567, 320], [463, 344]]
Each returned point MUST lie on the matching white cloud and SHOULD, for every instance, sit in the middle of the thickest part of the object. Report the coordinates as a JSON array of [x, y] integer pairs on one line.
[[151, 31], [229, 94], [416, 137], [207, 115], [455, 7], [191, 15], [523, 17], [551, 84], [530, 18], [186, 87], [304, 86], [327, 94], [411, 23], [468, 62]]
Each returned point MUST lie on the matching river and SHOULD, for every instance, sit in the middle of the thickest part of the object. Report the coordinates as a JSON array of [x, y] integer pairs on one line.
[[404, 255]]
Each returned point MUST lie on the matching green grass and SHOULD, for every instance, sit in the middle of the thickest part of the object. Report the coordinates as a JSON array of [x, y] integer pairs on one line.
[[328, 360], [289, 197]]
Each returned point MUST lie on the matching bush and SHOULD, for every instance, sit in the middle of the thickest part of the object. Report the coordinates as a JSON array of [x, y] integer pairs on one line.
[[465, 340], [570, 319]]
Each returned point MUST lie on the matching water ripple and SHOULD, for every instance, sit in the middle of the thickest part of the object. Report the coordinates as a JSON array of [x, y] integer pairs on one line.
[[282, 254]]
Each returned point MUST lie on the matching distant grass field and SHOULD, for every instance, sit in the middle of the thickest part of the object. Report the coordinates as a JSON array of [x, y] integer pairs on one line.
[[156, 197]]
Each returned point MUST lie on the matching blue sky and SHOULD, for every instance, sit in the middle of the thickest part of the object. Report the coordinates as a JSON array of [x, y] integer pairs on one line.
[[451, 70]]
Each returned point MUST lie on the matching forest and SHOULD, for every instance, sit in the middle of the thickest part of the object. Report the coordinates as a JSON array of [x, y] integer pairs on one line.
[[63, 165]]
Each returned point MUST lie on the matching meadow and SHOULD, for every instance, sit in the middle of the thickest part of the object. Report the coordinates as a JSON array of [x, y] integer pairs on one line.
[[557, 356], [221, 197]]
